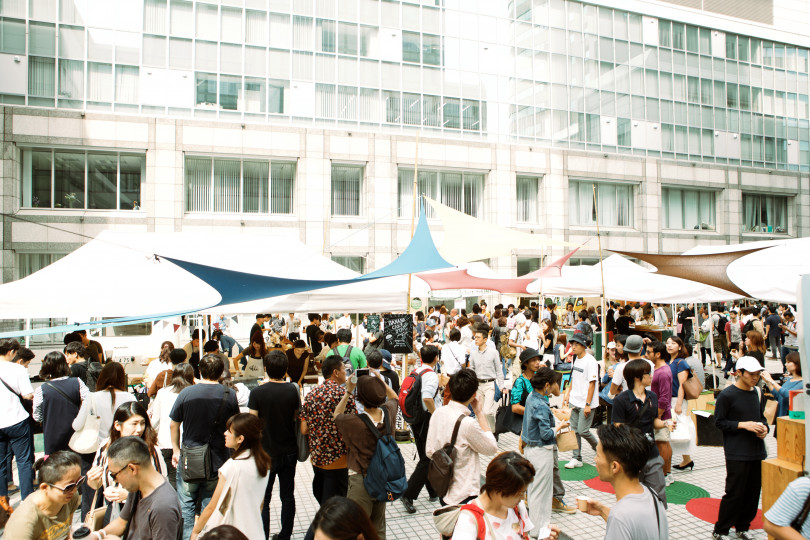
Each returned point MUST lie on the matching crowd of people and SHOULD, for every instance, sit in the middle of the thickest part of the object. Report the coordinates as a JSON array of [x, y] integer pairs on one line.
[[198, 453]]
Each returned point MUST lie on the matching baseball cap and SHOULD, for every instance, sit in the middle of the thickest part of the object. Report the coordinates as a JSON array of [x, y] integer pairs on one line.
[[749, 363], [633, 344], [611, 345], [528, 353]]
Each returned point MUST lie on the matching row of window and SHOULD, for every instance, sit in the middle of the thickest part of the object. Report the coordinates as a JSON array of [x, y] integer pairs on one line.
[[106, 180]]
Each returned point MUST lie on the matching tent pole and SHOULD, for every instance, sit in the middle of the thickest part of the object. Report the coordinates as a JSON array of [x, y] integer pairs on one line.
[[601, 269], [413, 224], [27, 336], [711, 342]]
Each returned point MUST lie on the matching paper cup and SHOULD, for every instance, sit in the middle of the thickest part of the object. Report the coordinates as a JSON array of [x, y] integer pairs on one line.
[[582, 503]]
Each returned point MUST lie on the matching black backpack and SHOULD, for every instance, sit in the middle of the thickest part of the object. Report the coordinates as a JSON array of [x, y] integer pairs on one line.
[[722, 321], [747, 327], [93, 370]]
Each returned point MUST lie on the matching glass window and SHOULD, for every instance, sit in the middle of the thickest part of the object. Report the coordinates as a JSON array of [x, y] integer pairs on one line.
[[471, 114], [411, 47], [41, 77], [451, 111], [180, 53], [71, 43], [99, 82], [131, 172], [12, 36], [459, 190], [102, 180], [154, 51], [229, 90], [691, 39], [71, 79], [431, 49], [346, 188], [678, 36], [347, 38], [527, 265], [206, 90], [154, 16], [528, 189], [614, 203], [207, 22], [255, 28], [42, 39], [206, 57], [231, 25], [764, 213], [37, 170], [731, 46], [181, 20], [325, 36], [275, 97], [126, 84], [623, 132], [688, 209], [354, 263]]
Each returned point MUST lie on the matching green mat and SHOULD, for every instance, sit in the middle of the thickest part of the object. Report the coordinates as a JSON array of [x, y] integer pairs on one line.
[[586, 472], [39, 443], [682, 493]]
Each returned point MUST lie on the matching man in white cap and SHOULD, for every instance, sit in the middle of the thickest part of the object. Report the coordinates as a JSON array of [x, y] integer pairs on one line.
[[583, 396], [738, 413]]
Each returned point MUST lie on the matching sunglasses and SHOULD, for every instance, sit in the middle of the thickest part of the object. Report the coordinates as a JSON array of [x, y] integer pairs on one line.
[[70, 487], [114, 475]]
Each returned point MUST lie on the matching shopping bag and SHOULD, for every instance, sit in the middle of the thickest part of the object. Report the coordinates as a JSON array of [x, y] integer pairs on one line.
[[681, 433], [770, 411], [566, 441]]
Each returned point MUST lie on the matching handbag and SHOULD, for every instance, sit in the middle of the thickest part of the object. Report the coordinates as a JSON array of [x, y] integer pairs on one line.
[[196, 460], [507, 421], [566, 441], [440, 472], [691, 386], [94, 520], [85, 441], [302, 440]]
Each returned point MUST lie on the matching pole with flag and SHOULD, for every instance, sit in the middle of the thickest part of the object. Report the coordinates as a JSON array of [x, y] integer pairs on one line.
[[601, 269]]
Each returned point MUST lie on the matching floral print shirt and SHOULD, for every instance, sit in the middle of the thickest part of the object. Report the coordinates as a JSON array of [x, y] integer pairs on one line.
[[325, 443]]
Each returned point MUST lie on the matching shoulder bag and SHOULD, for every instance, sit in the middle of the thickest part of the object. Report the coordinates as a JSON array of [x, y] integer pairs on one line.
[[195, 461], [691, 386], [85, 441], [442, 463], [301, 439]]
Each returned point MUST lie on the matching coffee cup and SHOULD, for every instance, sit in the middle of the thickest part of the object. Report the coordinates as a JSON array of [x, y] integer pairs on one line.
[[582, 503]]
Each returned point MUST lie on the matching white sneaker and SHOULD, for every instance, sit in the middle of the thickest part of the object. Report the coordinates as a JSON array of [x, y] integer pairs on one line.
[[573, 464], [668, 479]]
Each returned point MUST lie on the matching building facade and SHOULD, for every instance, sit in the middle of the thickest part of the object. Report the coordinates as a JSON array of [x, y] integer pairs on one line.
[[689, 119]]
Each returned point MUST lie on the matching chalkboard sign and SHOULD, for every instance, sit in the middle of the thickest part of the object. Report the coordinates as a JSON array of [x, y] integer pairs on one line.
[[398, 333], [372, 324]]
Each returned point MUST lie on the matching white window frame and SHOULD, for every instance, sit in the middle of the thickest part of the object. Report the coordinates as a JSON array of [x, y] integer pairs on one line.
[[705, 223], [582, 217], [431, 182], [340, 205], [528, 211]]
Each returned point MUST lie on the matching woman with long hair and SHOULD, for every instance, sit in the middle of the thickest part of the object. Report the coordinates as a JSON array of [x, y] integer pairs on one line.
[[251, 356], [182, 376], [500, 505], [57, 401], [240, 479], [340, 518], [681, 370], [48, 512], [130, 419], [755, 346]]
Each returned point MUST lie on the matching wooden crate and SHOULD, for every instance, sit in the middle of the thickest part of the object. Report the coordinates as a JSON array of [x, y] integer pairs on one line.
[[701, 403], [776, 475], [790, 440]]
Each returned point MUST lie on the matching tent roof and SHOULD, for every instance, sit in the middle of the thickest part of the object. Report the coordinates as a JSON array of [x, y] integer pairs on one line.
[[627, 280]]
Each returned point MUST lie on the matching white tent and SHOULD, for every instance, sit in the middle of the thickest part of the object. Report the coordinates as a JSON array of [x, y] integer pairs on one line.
[[770, 274], [626, 280], [117, 275]]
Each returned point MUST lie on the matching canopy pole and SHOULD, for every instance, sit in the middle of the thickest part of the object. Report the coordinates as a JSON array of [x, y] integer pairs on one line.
[[413, 225], [711, 344], [27, 336], [601, 269]]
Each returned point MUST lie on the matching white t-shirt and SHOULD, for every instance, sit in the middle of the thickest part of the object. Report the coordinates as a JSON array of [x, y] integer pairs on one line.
[[584, 371], [452, 357], [344, 322], [155, 368], [504, 529], [618, 374], [532, 338], [466, 336], [16, 377], [430, 387]]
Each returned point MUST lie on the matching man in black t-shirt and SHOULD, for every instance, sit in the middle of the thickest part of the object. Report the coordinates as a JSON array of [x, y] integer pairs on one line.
[[197, 409], [312, 334], [258, 326], [277, 403], [623, 323]]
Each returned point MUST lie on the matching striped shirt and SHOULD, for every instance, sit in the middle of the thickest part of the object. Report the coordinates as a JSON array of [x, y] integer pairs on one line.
[[790, 504]]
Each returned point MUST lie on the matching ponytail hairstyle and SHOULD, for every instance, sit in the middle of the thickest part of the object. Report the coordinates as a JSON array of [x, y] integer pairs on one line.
[[250, 427]]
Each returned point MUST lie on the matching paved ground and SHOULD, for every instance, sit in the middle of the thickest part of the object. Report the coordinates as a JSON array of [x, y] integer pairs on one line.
[[709, 474]]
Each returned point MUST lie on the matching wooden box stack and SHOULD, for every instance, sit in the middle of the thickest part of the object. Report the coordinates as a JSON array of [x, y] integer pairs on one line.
[[788, 465]]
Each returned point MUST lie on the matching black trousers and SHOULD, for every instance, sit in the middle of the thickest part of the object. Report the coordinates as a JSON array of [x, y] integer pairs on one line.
[[327, 483], [738, 508], [418, 478]]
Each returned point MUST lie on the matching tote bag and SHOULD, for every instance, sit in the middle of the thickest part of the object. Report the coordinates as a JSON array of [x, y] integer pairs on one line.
[[85, 441]]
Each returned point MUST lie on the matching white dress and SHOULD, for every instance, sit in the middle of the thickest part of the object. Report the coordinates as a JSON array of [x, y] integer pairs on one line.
[[240, 500]]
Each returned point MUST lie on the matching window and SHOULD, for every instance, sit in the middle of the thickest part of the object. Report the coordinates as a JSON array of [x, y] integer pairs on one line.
[[347, 181], [528, 264], [410, 47], [28, 263], [82, 179], [527, 199], [12, 36], [688, 209], [615, 204], [461, 191], [764, 213], [239, 186], [358, 264]]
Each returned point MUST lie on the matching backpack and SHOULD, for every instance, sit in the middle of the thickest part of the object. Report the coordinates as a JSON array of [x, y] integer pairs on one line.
[[747, 327], [410, 398], [442, 462], [93, 370], [721, 324], [445, 518], [385, 477], [346, 358], [504, 348]]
